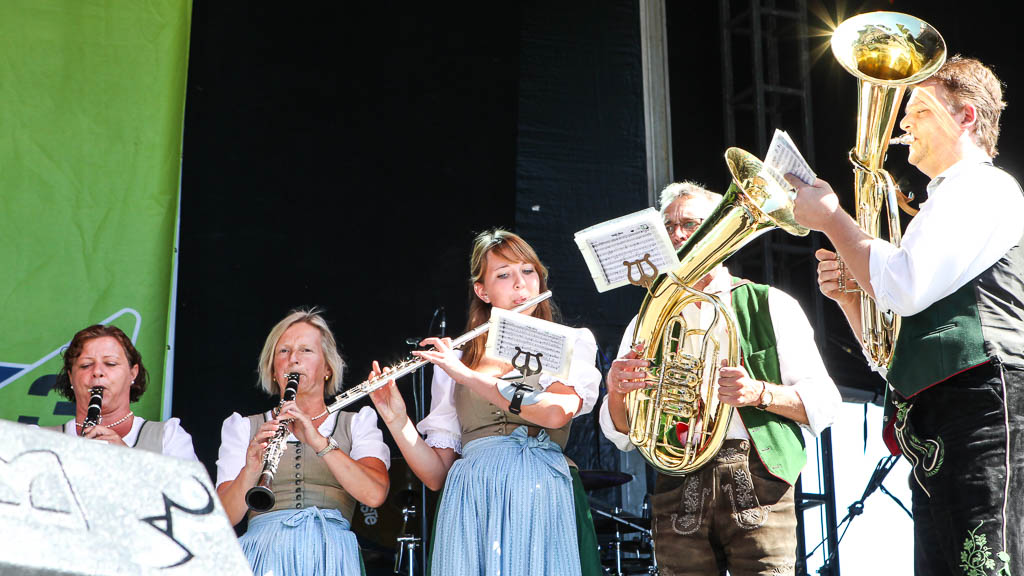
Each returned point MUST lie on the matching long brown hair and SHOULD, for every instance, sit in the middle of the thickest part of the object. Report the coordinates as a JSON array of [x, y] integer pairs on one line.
[[513, 248]]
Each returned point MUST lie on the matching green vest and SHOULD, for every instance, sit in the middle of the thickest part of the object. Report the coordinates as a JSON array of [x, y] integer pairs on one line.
[[942, 340], [982, 321], [778, 441]]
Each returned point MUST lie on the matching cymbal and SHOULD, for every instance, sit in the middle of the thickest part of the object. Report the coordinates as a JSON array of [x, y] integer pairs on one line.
[[600, 479]]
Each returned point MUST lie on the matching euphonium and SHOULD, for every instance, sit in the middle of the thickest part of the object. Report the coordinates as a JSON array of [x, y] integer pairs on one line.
[[887, 52], [677, 421]]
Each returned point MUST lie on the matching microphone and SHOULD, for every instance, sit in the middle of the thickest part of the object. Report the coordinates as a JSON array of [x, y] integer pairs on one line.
[[444, 323]]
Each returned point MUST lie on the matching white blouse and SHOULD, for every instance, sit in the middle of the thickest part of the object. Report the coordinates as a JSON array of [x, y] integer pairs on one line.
[[176, 442], [367, 441], [800, 364], [442, 427]]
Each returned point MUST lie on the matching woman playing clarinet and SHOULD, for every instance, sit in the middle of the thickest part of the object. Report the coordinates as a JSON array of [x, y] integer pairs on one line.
[[103, 374], [331, 460]]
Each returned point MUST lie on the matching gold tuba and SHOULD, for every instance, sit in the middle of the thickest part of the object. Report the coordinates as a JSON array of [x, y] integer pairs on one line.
[[682, 390], [887, 52]]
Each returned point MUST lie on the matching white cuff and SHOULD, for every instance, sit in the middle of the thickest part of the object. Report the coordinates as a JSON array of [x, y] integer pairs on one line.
[[821, 402], [442, 439], [620, 440]]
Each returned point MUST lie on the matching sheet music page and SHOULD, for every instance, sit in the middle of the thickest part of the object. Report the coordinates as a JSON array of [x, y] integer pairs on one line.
[[606, 246], [554, 341], [785, 158]]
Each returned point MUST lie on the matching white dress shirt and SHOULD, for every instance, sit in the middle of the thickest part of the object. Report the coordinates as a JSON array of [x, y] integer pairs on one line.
[[176, 441], [972, 217], [367, 441], [800, 364], [442, 426]]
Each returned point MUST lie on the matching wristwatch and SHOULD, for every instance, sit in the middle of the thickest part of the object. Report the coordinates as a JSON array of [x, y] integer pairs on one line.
[[331, 445], [766, 398]]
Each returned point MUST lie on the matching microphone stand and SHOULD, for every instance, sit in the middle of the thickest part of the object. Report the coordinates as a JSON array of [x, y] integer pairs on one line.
[[420, 394], [857, 508]]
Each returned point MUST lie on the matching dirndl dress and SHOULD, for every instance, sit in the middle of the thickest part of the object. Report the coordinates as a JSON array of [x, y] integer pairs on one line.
[[507, 510], [310, 541]]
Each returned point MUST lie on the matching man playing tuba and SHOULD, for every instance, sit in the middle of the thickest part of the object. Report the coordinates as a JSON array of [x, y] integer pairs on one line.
[[737, 512], [956, 393]]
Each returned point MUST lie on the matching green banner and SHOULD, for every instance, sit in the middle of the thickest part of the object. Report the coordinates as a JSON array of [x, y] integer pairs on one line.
[[92, 101]]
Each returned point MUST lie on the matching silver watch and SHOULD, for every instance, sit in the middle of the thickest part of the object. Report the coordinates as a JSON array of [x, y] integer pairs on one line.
[[331, 445]]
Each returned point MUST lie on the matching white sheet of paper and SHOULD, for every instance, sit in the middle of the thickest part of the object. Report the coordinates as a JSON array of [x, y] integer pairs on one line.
[[554, 341], [785, 158], [606, 246]]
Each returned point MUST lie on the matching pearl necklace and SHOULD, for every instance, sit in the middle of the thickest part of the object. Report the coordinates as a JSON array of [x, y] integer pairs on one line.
[[313, 419], [112, 425]]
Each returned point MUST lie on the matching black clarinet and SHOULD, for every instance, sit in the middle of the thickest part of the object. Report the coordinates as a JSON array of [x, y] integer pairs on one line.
[[260, 497], [92, 414]]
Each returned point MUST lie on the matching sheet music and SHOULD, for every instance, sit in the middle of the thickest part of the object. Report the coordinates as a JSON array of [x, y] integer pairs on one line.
[[785, 158], [532, 335], [608, 245]]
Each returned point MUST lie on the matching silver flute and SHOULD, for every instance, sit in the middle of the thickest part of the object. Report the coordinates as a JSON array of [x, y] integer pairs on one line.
[[260, 497], [360, 391]]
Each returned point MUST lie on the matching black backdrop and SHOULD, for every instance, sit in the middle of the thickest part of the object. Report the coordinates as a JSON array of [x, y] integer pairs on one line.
[[345, 156], [338, 157]]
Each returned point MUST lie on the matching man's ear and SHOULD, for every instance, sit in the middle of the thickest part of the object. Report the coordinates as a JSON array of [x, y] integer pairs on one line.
[[970, 118]]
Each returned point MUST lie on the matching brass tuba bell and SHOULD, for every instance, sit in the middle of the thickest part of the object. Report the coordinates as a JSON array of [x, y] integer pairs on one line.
[[677, 421], [887, 52]]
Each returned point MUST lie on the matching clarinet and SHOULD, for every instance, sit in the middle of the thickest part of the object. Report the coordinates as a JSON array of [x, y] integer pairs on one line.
[[360, 391], [260, 497], [92, 414]]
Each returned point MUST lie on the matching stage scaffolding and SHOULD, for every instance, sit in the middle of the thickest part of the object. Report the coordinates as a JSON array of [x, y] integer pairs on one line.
[[766, 84]]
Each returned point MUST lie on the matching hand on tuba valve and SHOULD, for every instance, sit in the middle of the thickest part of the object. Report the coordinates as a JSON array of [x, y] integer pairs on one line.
[[629, 372]]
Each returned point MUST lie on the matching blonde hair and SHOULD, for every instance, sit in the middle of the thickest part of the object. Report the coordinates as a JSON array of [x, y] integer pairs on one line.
[[685, 189], [328, 346], [514, 249]]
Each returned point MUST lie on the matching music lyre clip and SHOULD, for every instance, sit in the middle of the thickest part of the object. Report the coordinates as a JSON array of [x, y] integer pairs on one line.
[[646, 280], [525, 368]]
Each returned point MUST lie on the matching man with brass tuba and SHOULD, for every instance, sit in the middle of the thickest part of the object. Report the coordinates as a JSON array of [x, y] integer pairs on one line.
[[737, 512], [956, 386]]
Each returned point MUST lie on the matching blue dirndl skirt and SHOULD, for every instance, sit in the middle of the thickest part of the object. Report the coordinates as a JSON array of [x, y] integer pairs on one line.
[[507, 510], [310, 541]]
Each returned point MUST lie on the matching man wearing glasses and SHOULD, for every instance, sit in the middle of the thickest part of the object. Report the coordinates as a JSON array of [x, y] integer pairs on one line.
[[737, 512]]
